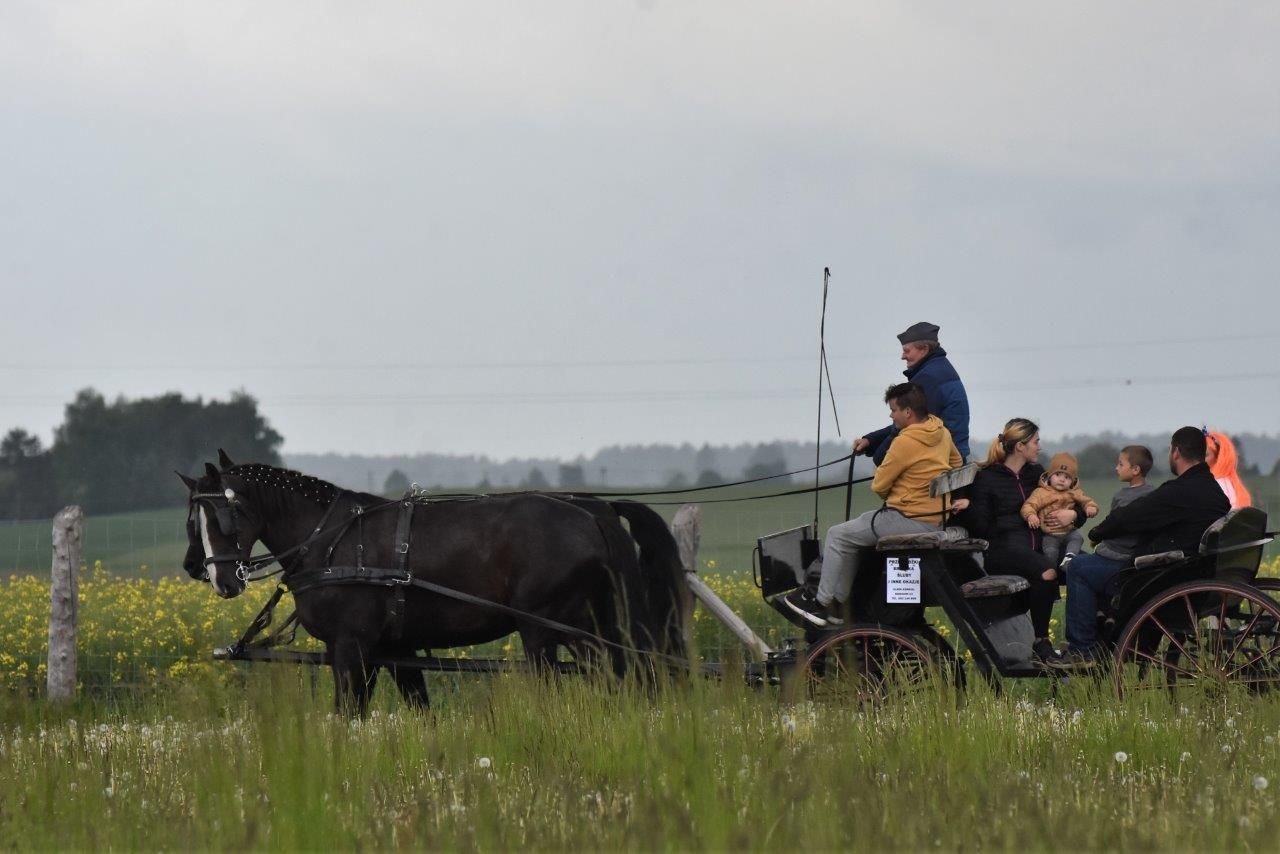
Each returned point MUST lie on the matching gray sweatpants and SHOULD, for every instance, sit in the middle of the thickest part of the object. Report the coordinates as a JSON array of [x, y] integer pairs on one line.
[[840, 553], [1056, 546]]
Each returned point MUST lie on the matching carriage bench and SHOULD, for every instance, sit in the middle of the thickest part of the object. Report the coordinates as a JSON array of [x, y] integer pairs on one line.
[[956, 540]]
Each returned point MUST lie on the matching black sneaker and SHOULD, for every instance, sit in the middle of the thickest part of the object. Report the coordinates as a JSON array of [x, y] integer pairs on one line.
[[1066, 562], [835, 614], [1042, 652], [803, 602]]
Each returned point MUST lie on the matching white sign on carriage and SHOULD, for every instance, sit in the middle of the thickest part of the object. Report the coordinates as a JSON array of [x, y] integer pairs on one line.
[[902, 586]]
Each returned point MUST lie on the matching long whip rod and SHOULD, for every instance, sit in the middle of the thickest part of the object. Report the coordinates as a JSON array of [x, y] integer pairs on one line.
[[823, 372]]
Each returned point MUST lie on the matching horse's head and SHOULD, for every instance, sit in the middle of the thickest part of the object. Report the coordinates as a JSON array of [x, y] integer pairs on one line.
[[222, 527]]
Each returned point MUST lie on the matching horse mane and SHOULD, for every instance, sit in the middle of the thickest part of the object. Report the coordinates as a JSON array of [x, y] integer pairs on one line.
[[289, 481]]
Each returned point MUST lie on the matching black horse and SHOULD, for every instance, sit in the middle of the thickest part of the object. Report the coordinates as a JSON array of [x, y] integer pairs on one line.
[[567, 560]]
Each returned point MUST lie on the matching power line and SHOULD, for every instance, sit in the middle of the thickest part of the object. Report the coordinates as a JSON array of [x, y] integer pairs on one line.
[[502, 398], [612, 363]]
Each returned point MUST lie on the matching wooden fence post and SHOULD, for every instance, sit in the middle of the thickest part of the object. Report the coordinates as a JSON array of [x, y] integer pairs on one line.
[[68, 528], [687, 529]]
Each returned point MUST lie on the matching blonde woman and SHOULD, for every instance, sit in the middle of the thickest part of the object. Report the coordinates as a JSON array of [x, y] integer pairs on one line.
[[1009, 475]]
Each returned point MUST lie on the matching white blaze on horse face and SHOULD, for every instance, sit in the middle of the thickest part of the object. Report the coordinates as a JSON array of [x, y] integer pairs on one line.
[[208, 551]]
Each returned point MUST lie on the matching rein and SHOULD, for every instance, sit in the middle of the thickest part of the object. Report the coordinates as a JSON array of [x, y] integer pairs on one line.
[[351, 575]]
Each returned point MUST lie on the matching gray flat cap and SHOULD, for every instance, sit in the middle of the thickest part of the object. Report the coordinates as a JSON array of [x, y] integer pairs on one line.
[[921, 331]]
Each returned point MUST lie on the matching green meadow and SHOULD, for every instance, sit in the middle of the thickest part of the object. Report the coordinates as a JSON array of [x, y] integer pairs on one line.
[[184, 753]]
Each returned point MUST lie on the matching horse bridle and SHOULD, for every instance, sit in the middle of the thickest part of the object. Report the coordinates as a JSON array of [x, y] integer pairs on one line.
[[223, 505]]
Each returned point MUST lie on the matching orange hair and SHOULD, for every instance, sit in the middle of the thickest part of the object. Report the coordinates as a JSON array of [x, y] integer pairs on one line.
[[1225, 466]]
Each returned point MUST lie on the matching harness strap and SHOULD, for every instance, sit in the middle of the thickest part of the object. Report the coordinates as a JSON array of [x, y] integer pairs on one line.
[[404, 535], [346, 575]]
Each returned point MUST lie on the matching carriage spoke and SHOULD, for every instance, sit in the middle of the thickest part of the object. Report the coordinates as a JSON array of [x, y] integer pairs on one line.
[[1165, 663], [1252, 661], [1222, 621], [1244, 635], [1191, 612], [1169, 635]]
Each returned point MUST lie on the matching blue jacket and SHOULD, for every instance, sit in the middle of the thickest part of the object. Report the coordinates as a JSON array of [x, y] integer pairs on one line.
[[947, 399]]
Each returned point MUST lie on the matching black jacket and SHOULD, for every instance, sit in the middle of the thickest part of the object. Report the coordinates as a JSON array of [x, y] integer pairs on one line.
[[995, 507], [1174, 516]]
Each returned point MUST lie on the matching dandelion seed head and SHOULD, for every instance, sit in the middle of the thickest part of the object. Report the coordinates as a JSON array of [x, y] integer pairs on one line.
[[484, 762], [1185, 757], [1122, 757], [1259, 783]]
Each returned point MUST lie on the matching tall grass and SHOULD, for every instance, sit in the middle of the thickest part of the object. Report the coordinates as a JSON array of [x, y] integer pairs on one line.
[[515, 762]]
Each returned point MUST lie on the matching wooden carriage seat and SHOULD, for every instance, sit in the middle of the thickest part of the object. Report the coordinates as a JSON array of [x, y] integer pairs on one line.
[[1241, 530], [956, 539], [952, 539]]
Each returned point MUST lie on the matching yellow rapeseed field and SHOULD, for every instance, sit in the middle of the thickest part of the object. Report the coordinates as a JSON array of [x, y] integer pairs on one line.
[[137, 630]]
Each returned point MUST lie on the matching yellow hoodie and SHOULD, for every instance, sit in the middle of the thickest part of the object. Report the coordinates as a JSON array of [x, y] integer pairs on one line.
[[918, 454]]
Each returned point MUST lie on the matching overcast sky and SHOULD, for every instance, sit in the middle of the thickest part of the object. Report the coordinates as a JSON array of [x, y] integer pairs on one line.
[[540, 228]]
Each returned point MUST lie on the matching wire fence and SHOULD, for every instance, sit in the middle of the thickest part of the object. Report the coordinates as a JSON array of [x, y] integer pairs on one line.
[[169, 625], [151, 543]]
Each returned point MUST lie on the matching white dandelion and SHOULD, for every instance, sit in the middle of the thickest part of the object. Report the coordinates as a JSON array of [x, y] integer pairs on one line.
[[1259, 783], [1122, 757]]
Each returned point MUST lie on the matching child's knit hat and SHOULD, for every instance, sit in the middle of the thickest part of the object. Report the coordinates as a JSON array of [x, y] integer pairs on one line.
[[1063, 462]]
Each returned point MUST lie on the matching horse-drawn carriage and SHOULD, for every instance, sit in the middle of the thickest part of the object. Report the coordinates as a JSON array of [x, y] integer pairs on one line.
[[379, 584], [1174, 621]]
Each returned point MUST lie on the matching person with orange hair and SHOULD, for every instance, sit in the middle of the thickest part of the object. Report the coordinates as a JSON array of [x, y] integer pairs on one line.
[[1220, 454]]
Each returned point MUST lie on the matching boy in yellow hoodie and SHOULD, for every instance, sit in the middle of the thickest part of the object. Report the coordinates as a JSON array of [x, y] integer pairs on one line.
[[922, 450]]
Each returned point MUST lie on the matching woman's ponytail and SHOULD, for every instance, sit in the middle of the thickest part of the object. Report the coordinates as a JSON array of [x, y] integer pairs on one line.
[[1015, 432]]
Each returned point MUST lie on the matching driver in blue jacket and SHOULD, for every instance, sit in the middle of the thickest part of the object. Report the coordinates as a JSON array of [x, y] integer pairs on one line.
[[929, 368]]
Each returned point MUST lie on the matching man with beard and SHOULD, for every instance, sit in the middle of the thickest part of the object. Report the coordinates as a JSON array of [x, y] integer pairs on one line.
[[1172, 517]]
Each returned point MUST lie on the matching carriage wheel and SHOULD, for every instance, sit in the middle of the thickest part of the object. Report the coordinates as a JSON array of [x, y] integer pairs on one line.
[[871, 665], [1270, 586], [1202, 637]]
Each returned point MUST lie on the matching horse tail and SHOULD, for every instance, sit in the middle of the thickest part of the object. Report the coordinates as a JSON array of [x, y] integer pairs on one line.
[[662, 574]]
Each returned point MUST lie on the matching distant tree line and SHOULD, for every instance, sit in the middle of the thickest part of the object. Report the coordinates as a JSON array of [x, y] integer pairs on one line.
[[118, 456]]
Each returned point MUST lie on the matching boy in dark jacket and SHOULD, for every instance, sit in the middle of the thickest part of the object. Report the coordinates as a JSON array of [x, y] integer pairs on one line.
[[1174, 516], [929, 368]]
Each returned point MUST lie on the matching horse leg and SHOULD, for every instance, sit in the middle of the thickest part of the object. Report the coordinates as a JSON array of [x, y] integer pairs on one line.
[[353, 680], [412, 683], [539, 649]]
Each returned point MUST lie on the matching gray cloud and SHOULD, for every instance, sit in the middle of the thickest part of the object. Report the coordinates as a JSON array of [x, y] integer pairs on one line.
[[343, 209]]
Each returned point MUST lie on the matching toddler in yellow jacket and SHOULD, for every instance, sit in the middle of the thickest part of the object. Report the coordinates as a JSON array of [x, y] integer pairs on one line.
[[1058, 490]]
